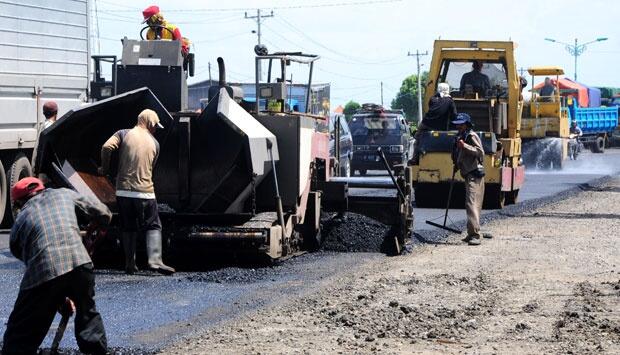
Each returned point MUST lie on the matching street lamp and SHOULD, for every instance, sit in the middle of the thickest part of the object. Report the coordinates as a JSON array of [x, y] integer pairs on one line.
[[576, 49]]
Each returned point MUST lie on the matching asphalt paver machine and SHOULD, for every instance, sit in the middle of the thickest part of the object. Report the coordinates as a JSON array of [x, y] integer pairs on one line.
[[239, 176]]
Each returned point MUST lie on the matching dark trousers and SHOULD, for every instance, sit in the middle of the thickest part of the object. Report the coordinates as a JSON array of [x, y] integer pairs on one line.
[[35, 309], [138, 215]]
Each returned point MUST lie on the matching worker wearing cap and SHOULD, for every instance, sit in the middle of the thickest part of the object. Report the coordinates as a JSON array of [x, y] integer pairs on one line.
[[468, 156], [441, 111], [50, 111], [135, 192], [161, 29], [46, 237]]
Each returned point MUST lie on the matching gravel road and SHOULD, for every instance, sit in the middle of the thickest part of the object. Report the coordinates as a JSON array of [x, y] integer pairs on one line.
[[548, 282]]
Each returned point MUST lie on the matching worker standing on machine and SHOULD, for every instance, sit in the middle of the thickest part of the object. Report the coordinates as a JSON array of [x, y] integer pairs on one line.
[[468, 156], [441, 111], [161, 29], [135, 191], [59, 271]]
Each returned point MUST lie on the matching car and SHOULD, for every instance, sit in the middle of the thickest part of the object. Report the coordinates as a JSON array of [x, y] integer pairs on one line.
[[373, 126], [346, 143]]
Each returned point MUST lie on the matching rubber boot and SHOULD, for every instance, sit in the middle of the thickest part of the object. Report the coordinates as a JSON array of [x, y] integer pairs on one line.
[[129, 246], [154, 252]]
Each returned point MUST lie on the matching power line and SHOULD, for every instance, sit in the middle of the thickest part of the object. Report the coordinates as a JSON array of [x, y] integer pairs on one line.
[[286, 7]]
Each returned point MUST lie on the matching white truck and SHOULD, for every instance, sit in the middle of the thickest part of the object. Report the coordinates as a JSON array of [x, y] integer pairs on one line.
[[44, 55]]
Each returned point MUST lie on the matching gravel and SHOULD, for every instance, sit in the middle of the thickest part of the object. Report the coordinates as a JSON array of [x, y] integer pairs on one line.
[[355, 233]]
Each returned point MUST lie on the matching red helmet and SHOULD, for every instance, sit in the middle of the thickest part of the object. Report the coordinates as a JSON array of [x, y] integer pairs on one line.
[[26, 188], [149, 12]]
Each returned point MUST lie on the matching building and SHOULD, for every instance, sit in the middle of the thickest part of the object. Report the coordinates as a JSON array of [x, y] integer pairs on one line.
[[319, 101]]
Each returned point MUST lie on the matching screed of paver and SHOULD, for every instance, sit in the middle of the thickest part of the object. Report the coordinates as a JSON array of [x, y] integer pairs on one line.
[[549, 282]]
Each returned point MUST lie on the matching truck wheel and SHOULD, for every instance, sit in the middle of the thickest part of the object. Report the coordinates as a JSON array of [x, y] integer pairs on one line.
[[4, 197], [20, 169], [599, 145]]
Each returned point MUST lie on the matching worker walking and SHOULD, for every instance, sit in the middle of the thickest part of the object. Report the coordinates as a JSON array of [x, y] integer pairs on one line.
[[50, 111], [468, 156], [161, 29], [135, 192], [46, 237], [441, 111]]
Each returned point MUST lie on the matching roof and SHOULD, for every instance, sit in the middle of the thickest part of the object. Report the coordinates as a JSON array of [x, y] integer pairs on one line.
[[551, 70]]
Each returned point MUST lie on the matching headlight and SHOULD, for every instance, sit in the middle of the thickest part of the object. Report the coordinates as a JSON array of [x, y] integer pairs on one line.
[[396, 149]]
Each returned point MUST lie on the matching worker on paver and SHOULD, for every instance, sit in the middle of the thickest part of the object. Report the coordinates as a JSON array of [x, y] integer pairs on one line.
[[50, 111], [441, 111], [468, 156], [46, 237], [161, 29], [135, 192], [478, 81]]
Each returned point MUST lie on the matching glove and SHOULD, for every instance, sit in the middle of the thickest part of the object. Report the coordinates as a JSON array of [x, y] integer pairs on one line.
[[67, 308]]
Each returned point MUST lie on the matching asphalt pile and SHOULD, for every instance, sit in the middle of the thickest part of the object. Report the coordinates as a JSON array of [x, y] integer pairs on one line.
[[355, 233]]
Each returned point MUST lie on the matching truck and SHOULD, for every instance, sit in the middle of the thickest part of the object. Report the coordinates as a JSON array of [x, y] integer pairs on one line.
[[597, 123], [374, 126], [545, 124], [45, 56], [247, 177], [496, 115]]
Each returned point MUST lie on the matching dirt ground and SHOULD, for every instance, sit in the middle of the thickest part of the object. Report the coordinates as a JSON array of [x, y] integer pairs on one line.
[[548, 282]]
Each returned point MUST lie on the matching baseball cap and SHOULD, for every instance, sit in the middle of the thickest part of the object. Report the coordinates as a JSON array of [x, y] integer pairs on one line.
[[462, 118], [149, 12], [26, 187]]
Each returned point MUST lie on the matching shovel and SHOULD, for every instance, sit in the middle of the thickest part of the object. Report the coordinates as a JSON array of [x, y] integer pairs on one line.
[[445, 218], [60, 331]]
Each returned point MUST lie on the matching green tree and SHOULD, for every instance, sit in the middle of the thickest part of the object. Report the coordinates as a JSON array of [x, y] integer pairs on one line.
[[407, 97], [350, 108]]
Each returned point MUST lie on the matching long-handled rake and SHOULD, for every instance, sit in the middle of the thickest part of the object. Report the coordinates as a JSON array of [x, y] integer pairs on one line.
[[445, 218]]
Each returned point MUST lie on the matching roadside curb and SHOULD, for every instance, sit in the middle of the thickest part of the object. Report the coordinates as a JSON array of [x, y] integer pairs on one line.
[[438, 236]]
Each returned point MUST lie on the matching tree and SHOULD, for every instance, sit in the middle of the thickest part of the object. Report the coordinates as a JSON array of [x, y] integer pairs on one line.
[[407, 97], [350, 108]]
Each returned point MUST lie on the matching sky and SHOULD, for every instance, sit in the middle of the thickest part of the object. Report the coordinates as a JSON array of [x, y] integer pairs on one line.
[[365, 42]]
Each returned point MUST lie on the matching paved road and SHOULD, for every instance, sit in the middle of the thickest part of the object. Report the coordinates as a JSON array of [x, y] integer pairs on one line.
[[148, 311]]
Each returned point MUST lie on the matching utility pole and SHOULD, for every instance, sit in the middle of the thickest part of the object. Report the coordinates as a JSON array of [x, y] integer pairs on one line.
[[210, 81], [382, 93], [418, 55], [576, 49], [522, 70], [259, 18]]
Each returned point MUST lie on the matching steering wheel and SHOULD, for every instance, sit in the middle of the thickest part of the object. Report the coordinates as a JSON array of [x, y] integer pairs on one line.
[[155, 26]]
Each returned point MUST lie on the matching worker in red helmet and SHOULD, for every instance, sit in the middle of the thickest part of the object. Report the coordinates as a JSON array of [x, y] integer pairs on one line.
[[59, 271], [161, 29]]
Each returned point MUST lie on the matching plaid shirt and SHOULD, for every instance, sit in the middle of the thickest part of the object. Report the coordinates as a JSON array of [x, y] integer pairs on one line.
[[46, 236]]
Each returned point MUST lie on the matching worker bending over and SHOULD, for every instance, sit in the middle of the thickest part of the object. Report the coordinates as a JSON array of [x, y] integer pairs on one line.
[[46, 237], [161, 29], [441, 111], [135, 192], [468, 156]]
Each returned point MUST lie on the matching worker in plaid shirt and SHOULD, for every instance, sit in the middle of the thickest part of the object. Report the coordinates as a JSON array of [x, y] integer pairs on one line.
[[46, 237]]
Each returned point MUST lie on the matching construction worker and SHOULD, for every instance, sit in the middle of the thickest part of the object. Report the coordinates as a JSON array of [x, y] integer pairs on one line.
[[441, 111], [574, 142], [468, 157], [50, 111], [161, 29], [135, 192], [59, 271], [475, 79], [548, 91]]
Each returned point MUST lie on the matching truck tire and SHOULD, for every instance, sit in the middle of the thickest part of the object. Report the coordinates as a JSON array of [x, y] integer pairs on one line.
[[4, 197], [20, 169], [599, 145]]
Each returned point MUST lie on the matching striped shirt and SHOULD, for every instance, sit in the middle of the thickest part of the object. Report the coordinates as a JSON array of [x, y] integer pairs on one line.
[[46, 236]]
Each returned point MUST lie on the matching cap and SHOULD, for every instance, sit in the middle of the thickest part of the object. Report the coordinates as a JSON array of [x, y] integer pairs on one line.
[[149, 12], [462, 118], [50, 108], [26, 187], [149, 119]]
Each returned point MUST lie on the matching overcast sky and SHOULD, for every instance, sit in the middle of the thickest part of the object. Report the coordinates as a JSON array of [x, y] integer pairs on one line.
[[363, 43]]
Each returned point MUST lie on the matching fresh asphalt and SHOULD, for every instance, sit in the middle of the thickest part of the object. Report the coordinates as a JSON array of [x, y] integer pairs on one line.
[[147, 311]]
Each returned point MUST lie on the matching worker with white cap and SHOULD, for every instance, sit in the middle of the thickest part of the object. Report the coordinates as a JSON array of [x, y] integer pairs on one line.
[[135, 191], [441, 110]]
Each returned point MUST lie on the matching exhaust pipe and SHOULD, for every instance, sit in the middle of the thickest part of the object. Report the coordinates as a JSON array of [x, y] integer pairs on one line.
[[222, 71]]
